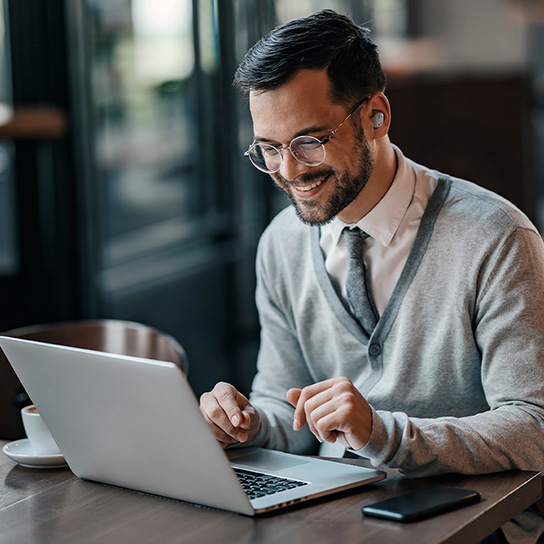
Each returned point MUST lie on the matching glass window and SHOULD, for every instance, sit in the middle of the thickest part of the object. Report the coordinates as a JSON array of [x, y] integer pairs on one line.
[[8, 248], [149, 68], [287, 10]]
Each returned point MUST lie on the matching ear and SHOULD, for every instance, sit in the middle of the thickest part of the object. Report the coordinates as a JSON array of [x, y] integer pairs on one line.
[[378, 116]]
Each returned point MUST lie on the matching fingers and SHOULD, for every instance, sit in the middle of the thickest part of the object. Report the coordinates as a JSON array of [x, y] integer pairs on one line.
[[293, 396], [315, 403], [334, 411], [305, 401], [325, 418], [229, 414]]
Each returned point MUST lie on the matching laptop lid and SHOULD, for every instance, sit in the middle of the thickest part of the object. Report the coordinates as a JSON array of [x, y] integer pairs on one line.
[[135, 423]]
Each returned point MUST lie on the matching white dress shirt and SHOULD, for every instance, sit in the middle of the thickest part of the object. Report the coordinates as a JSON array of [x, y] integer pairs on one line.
[[392, 225]]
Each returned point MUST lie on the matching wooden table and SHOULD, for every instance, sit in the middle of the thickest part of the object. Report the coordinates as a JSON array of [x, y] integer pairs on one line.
[[52, 505]]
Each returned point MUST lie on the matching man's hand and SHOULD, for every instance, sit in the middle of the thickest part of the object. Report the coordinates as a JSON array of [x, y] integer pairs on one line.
[[334, 410], [229, 414]]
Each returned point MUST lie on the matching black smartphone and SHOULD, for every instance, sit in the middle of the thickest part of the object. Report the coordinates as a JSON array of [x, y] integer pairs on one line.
[[422, 503]]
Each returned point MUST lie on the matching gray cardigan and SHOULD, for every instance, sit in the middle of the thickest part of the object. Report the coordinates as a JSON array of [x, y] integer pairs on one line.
[[454, 370]]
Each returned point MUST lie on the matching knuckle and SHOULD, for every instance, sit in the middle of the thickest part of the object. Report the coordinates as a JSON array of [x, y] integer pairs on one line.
[[350, 413], [348, 402], [306, 396], [215, 413], [221, 387], [223, 396], [343, 382], [347, 395], [321, 426], [225, 393], [307, 409], [303, 395]]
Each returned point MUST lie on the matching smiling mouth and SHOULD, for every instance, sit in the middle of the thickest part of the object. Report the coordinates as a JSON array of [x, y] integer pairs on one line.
[[310, 187]]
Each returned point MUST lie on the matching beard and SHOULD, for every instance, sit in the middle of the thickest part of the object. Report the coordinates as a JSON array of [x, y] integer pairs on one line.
[[347, 186]]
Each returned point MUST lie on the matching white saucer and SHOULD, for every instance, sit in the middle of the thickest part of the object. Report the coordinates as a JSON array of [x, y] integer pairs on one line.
[[23, 453]]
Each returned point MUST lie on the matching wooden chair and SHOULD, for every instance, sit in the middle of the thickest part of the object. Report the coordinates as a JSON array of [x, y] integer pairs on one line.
[[112, 336]]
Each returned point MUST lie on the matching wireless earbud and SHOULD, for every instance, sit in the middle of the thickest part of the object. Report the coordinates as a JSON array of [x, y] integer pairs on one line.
[[378, 119]]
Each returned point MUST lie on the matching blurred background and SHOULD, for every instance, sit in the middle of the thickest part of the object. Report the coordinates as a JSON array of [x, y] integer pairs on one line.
[[124, 192]]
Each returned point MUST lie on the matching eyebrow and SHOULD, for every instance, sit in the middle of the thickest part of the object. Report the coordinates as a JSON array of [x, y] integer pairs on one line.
[[303, 132]]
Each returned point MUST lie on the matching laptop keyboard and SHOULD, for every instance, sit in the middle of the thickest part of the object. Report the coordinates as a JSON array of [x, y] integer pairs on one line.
[[257, 484]]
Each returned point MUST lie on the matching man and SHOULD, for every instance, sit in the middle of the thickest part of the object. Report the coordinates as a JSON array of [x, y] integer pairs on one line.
[[434, 361]]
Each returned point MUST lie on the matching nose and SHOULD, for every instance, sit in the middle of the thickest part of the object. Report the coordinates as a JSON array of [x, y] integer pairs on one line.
[[290, 168]]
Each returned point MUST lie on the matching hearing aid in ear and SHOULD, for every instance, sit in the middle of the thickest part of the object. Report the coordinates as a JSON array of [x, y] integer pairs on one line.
[[378, 119]]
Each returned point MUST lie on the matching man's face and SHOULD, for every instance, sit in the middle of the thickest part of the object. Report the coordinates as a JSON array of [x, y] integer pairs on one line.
[[303, 107]]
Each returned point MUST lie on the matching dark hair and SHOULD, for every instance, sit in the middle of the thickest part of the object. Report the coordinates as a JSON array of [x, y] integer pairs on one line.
[[323, 40]]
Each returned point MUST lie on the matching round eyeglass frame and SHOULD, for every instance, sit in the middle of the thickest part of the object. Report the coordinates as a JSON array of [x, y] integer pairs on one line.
[[298, 156]]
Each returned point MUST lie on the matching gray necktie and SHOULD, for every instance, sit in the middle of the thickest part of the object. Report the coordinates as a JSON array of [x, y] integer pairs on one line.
[[357, 283]]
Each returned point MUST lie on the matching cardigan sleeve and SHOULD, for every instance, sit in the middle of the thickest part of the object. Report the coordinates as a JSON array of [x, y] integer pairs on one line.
[[280, 364], [508, 327]]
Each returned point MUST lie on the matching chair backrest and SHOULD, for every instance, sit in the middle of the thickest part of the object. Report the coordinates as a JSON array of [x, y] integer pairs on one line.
[[112, 336]]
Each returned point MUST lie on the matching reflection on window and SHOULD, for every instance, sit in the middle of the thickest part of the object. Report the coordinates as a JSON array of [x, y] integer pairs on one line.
[[386, 18], [389, 17], [8, 249], [5, 72], [142, 79], [209, 36], [287, 10]]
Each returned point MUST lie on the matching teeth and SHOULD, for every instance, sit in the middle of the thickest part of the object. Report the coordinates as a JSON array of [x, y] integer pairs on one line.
[[309, 187]]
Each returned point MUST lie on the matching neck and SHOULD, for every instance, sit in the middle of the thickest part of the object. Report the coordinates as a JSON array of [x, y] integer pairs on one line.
[[385, 168]]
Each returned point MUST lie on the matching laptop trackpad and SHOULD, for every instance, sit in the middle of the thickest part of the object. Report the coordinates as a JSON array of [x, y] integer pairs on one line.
[[264, 459]]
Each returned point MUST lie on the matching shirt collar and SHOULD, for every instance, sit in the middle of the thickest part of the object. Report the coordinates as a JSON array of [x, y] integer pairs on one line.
[[382, 222]]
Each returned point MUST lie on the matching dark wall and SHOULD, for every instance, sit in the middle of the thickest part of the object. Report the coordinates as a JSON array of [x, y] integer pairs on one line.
[[468, 126]]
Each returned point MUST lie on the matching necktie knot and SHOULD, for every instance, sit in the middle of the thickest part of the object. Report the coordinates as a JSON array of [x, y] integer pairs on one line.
[[356, 230], [355, 239]]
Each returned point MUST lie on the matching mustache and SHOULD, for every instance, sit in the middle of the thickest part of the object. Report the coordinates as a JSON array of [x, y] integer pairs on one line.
[[308, 178]]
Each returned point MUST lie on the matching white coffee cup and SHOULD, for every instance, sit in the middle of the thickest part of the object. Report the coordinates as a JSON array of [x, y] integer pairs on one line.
[[38, 434]]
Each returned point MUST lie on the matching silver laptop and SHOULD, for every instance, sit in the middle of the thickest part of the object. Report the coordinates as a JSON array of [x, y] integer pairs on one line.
[[135, 423]]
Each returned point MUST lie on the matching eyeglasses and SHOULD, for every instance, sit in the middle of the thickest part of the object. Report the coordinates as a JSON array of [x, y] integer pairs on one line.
[[307, 150]]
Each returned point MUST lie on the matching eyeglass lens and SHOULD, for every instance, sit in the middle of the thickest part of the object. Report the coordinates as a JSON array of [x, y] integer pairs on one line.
[[305, 149]]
